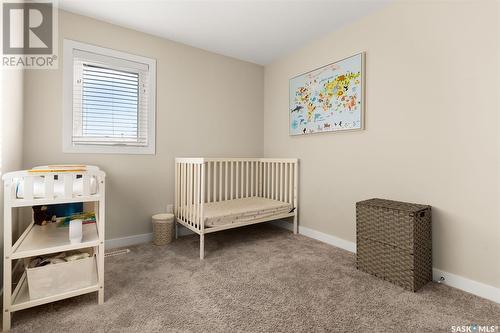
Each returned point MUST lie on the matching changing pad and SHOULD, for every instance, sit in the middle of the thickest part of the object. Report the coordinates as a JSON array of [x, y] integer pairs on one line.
[[243, 210], [39, 187]]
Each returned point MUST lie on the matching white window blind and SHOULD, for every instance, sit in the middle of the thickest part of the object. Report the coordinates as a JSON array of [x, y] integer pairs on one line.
[[110, 100]]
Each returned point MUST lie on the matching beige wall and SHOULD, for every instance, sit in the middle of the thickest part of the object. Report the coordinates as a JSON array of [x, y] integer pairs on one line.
[[207, 105], [11, 131], [432, 128], [12, 120]]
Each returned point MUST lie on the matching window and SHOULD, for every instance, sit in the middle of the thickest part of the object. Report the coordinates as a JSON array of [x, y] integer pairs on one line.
[[109, 101]]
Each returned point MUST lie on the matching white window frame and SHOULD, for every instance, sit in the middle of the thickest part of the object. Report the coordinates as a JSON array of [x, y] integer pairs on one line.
[[68, 146]]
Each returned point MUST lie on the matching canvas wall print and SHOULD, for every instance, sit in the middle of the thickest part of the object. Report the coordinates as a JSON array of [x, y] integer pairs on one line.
[[328, 99]]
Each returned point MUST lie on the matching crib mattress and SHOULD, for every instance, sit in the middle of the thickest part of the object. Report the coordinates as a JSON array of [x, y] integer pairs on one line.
[[39, 187], [243, 210]]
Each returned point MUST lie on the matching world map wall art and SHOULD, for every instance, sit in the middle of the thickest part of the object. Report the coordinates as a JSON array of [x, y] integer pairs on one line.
[[328, 99]]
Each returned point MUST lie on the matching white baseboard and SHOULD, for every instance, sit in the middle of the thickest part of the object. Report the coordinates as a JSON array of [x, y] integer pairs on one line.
[[139, 239], [474, 287], [128, 241], [318, 235]]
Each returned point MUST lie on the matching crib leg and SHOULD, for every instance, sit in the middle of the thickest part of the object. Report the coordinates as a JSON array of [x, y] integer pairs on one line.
[[202, 247], [295, 225], [176, 229]]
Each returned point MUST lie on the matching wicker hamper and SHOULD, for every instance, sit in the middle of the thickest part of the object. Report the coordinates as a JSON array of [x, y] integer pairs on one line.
[[394, 241], [163, 228]]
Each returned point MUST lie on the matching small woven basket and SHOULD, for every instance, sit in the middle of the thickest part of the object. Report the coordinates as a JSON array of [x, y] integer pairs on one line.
[[163, 229]]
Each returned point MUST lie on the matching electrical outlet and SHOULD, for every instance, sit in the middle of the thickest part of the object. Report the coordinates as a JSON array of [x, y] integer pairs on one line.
[[170, 208]]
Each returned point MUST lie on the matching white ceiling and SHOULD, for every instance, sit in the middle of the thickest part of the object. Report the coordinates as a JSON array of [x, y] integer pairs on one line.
[[255, 31]]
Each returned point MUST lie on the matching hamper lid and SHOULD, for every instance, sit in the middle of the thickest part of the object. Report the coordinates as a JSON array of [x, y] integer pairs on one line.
[[397, 205], [163, 217]]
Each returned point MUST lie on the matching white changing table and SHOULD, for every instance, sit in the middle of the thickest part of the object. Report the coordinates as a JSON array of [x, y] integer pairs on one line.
[[37, 240]]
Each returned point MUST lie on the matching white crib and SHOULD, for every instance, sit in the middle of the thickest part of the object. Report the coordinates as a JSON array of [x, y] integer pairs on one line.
[[49, 185], [213, 194]]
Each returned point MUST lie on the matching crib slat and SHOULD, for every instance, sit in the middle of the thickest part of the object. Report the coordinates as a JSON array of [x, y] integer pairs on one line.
[[263, 176], [269, 169], [256, 185], [49, 186], [200, 190], [286, 182], [185, 195], [266, 180], [190, 197], [220, 181], [278, 181], [273, 170], [242, 193], [265, 184], [215, 181], [202, 198], [242, 179], [261, 179], [237, 178], [176, 188], [195, 194], [290, 189], [295, 185], [182, 186], [176, 184], [232, 180], [246, 179], [277, 171], [68, 185], [197, 199], [257, 190], [252, 178], [186, 202], [208, 180], [225, 180], [281, 182], [271, 179], [188, 191], [200, 193], [184, 191]]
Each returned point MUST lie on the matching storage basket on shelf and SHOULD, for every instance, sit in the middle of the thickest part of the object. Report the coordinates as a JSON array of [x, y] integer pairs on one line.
[[163, 229], [394, 241], [48, 280]]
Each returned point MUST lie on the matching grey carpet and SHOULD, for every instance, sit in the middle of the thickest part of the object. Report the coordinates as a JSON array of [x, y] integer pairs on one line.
[[254, 279]]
